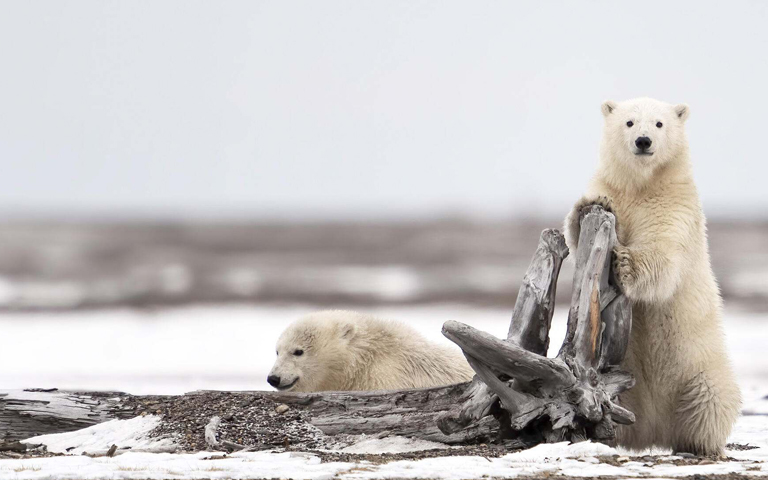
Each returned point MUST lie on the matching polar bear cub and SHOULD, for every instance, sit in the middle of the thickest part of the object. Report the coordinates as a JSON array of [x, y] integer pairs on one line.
[[344, 350], [686, 397]]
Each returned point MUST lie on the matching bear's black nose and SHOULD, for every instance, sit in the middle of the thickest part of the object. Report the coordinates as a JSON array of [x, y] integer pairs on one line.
[[643, 143], [273, 380]]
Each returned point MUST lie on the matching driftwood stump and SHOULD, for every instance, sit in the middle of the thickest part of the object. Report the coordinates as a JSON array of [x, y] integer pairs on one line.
[[573, 396]]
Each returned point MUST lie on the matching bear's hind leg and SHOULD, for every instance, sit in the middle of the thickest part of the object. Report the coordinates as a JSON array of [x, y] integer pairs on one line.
[[705, 414]]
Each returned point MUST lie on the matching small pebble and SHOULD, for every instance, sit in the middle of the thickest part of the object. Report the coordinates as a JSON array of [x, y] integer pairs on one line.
[[671, 458], [282, 408]]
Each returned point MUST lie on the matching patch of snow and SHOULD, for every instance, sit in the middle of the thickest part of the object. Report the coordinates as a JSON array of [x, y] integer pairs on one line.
[[393, 444], [54, 294], [750, 430], [750, 282], [175, 279], [242, 281], [132, 433], [578, 460], [134, 465], [546, 451], [7, 291], [755, 395], [389, 283]]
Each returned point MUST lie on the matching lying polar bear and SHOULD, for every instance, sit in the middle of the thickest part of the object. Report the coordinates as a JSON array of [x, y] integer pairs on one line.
[[343, 350]]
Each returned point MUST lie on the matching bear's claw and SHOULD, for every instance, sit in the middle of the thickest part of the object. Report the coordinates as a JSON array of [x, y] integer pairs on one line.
[[624, 267]]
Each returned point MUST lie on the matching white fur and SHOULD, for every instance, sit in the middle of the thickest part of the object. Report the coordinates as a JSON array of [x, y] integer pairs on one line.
[[686, 397], [345, 350]]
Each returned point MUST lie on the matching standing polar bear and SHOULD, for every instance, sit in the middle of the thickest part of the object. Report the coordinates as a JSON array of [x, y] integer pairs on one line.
[[342, 350], [686, 397]]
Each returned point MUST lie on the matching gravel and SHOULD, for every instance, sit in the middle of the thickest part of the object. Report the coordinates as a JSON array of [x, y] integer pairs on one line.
[[247, 420]]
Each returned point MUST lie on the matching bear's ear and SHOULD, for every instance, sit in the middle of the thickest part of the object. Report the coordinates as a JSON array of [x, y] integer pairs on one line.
[[348, 331], [608, 107], [682, 111]]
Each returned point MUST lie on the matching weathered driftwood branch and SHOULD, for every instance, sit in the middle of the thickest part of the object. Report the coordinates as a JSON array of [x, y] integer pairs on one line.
[[26, 413], [411, 413], [573, 396]]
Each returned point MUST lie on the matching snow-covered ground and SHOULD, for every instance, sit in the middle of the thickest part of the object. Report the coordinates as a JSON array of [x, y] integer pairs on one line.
[[579, 460], [232, 348], [173, 351]]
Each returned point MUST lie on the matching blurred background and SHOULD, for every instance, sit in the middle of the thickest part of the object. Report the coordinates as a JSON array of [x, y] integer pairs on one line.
[[181, 179]]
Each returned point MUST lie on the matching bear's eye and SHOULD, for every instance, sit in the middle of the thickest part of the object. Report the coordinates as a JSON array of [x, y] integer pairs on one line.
[[298, 352], [659, 124], [630, 123]]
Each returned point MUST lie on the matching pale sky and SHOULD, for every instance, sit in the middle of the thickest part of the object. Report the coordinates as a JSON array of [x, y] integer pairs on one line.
[[363, 109]]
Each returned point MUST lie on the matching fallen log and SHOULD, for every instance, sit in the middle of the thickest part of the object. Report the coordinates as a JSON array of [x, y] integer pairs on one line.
[[410, 413], [26, 413]]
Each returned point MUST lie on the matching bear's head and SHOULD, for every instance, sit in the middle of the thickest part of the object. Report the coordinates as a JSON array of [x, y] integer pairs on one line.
[[640, 136], [313, 353]]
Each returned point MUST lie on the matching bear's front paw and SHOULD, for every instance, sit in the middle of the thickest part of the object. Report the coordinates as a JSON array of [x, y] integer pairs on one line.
[[579, 211], [586, 203], [624, 268]]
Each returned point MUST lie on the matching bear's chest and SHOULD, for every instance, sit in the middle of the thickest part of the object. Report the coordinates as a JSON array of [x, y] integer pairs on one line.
[[641, 217]]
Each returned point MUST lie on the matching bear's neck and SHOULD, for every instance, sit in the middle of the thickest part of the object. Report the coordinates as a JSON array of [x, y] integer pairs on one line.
[[618, 176]]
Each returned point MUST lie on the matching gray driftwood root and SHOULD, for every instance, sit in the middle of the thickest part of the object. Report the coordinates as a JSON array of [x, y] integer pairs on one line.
[[573, 396], [533, 309]]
